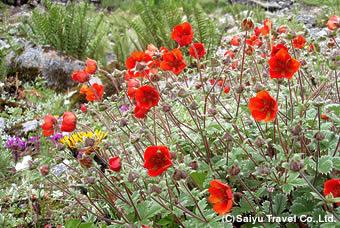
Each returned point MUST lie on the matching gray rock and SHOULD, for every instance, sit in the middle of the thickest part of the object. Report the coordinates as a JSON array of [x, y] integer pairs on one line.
[[30, 126], [2, 123], [58, 169], [34, 59], [308, 20]]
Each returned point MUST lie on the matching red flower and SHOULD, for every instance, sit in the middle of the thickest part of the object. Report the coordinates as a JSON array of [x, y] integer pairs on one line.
[[283, 29], [235, 41], [91, 96], [137, 64], [69, 122], [199, 49], [299, 42], [133, 84], [44, 170], [49, 122], [332, 186], [220, 83], [140, 112], [266, 28], [91, 66], [221, 196], [257, 31], [226, 89], [334, 22], [147, 97], [230, 53], [324, 117], [282, 65], [80, 76], [277, 48], [173, 61], [83, 108], [263, 106], [115, 164], [183, 34], [157, 160], [254, 41]]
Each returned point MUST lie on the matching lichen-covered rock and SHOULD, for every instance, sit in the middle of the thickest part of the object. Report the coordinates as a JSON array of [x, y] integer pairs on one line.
[[53, 66]]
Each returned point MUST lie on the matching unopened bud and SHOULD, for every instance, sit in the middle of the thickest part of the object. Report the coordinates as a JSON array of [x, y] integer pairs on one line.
[[134, 139], [193, 165], [296, 130], [90, 180], [239, 89], [228, 137], [166, 107], [263, 171], [234, 170], [212, 111], [132, 176], [155, 78], [259, 142], [89, 142], [44, 170], [123, 122], [182, 93], [247, 24], [295, 165], [193, 105], [258, 87], [319, 136], [173, 155], [140, 66], [155, 189], [198, 85]]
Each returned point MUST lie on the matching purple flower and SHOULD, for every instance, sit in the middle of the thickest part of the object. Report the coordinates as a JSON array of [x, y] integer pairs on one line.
[[55, 138], [18, 147], [123, 108]]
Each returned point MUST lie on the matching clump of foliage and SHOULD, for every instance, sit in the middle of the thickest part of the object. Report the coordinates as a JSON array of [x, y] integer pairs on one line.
[[251, 135], [74, 29]]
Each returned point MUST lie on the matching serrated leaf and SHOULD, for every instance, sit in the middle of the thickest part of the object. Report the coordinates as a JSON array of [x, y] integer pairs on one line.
[[298, 209], [325, 164], [287, 188], [280, 204], [71, 223]]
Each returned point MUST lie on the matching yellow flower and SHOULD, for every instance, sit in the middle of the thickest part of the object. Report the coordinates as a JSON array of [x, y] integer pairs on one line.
[[75, 138]]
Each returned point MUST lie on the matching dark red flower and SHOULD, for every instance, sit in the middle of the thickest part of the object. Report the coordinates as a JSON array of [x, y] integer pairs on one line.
[[226, 89], [257, 31], [157, 160], [199, 49], [147, 97], [91, 96], [48, 126], [221, 196], [44, 170], [283, 29], [83, 108], [324, 117], [282, 65], [334, 22], [183, 34], [91, 66], [299, 42], [263, 106], [140, 112], [235, 41], [80, 76], [266, 28], [115, 164], [277, 48], [173, 61], [332, 186], [138, 64], [85, 160], [69, 122], [254, 41]]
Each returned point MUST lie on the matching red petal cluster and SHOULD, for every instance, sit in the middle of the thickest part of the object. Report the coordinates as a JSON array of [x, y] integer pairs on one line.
[[221, 196], [138, 64], [277, 48], [332, 186], [334, 22], [146, 98], [235, 41], [254, 41], [157, 160], [83, 76], [267, 25], [263, 106], [115, 164], [199, 48], [282, 65], [69, 122], [299, 42], [183, 34], [90, 94], [48, 126], [91, 66], [173, 61]]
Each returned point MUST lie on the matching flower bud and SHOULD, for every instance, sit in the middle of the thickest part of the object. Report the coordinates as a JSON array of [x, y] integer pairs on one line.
[[173, 155], [155, 78], [177, 175], [319, 136], [90, 180], [296, 130], [132, 176], [193, 165], [168, 85], [193, 105], [166, 107], [182, 93], [212, 111], [155, 189], [134, 139], [258, 87], [234, 170], [123, 122], [44, 170], [140, 66], [228, 137], [259, 142], [263, 171], [89, 142], [198, 85], [239, 89], [247, 24], [83, 108], [295, 165]]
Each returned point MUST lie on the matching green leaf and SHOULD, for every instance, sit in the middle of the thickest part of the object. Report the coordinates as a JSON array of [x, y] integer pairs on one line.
[[325, 164], [280, 204], [199, 178], [86, 225], [72, 223]]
